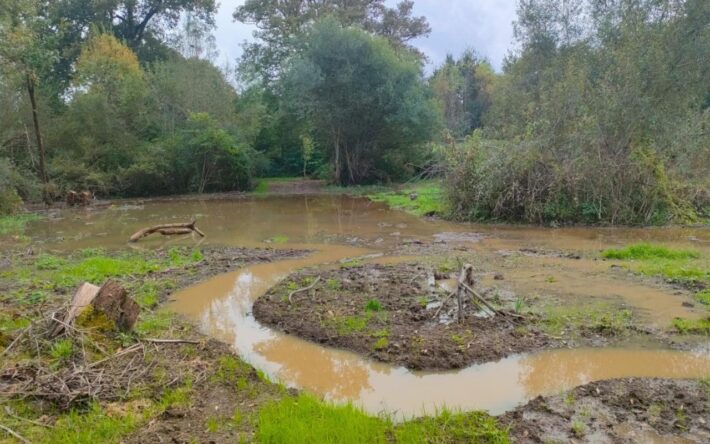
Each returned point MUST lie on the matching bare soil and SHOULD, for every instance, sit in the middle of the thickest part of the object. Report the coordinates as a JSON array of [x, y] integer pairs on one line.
[[404, 329], [621, 411]]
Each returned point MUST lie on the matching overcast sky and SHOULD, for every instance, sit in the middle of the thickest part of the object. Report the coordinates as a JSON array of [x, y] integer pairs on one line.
[[484, 25]]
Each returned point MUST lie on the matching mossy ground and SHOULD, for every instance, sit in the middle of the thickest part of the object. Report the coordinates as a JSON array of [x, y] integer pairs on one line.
[[424, 198]]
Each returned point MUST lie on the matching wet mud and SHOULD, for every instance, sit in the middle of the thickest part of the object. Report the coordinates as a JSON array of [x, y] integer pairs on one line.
[[390, 313], [631, 410]]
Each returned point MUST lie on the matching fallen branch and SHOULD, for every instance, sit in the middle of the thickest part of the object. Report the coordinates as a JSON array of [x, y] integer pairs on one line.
[[167, 230], [170, 341], [15, 434], [290, 295]]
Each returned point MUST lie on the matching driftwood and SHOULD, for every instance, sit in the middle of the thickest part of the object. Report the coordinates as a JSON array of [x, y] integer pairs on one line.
[[167, 230]]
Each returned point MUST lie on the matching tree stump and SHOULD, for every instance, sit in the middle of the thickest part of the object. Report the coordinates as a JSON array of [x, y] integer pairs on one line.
[[112, 300]]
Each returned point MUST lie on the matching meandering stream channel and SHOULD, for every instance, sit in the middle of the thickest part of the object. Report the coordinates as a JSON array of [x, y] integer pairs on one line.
[[336, 228]]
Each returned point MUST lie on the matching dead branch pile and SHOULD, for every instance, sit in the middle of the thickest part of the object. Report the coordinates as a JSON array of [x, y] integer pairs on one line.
[[167, 230], [466, 295], [91, 372]]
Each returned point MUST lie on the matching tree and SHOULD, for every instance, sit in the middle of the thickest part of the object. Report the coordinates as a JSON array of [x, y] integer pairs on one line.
[[280, 22], [367, 103], [26, 54]]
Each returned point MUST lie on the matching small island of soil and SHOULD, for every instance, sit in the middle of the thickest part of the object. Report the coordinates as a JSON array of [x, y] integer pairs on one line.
[[391, 313]]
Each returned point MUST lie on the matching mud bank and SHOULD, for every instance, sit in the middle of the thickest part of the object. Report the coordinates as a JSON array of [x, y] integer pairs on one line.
[[389, 313], [623, 410]]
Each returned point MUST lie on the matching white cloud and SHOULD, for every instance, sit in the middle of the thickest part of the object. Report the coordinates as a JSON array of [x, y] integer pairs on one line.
[[484, 25]]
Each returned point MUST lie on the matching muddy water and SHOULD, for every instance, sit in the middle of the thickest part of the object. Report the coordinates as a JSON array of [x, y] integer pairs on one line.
[[222, 307], [337, 227]]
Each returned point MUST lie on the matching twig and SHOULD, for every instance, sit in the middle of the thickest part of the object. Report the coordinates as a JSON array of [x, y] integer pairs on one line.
[[170, 341], [14, 433], [131, 349], [9, 413], [479, 298], [290, 295], [12, 344], [444, 303]]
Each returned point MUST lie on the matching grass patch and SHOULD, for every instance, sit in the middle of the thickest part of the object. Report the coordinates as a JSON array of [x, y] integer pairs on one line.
[[346, 325], [429, 198], [703, 297], [307, 420], [646, 251], [653, 260], [600, 317], [373, 305], [15, 224], [692, 326]]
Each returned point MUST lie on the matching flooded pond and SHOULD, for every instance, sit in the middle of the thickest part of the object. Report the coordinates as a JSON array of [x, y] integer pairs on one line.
[[336, 228]]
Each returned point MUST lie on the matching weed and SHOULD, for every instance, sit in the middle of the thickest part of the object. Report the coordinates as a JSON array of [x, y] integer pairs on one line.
[[519, 305], [280, 239], [62, 351], [212, 424], [292, 286], [373, 305], [579, 429], [423, 301], [346, 325], [550, 279], [351, 263], [333, 284], [569, 399], [381, 343], [49, 262], [448, 427]]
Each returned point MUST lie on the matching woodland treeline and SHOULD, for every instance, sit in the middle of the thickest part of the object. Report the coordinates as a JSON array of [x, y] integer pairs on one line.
[[600, 113]]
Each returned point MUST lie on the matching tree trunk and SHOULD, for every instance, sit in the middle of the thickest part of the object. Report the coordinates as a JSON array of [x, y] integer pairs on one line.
[[40, 146]]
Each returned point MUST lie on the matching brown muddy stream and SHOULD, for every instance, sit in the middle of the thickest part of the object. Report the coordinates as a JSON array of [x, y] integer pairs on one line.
[[336, 228]]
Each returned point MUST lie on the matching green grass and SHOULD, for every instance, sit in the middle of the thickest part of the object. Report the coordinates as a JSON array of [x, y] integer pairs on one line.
[[307, 420], [653, 260], [16, 224], [703, 297], [429, 200], [346, 325], [262, 186], [601, 317], [644, 251], [373, 305], [692, 326]]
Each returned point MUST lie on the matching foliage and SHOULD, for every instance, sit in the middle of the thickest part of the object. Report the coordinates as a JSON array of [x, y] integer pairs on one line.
[[653, 260], [279, 24], [463, 92], [367, 103], [594, 120]]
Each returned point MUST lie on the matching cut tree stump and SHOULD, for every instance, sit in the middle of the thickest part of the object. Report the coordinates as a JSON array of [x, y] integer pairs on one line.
[[167, 230], [113, 301], [83, 297]]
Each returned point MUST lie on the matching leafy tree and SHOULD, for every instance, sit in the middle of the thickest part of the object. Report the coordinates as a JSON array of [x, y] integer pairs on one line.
[[26, 55], [463, 90], [280, 22], [367, 103]]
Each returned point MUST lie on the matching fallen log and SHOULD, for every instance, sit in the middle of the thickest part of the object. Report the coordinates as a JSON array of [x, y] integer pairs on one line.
[[167, 230]]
